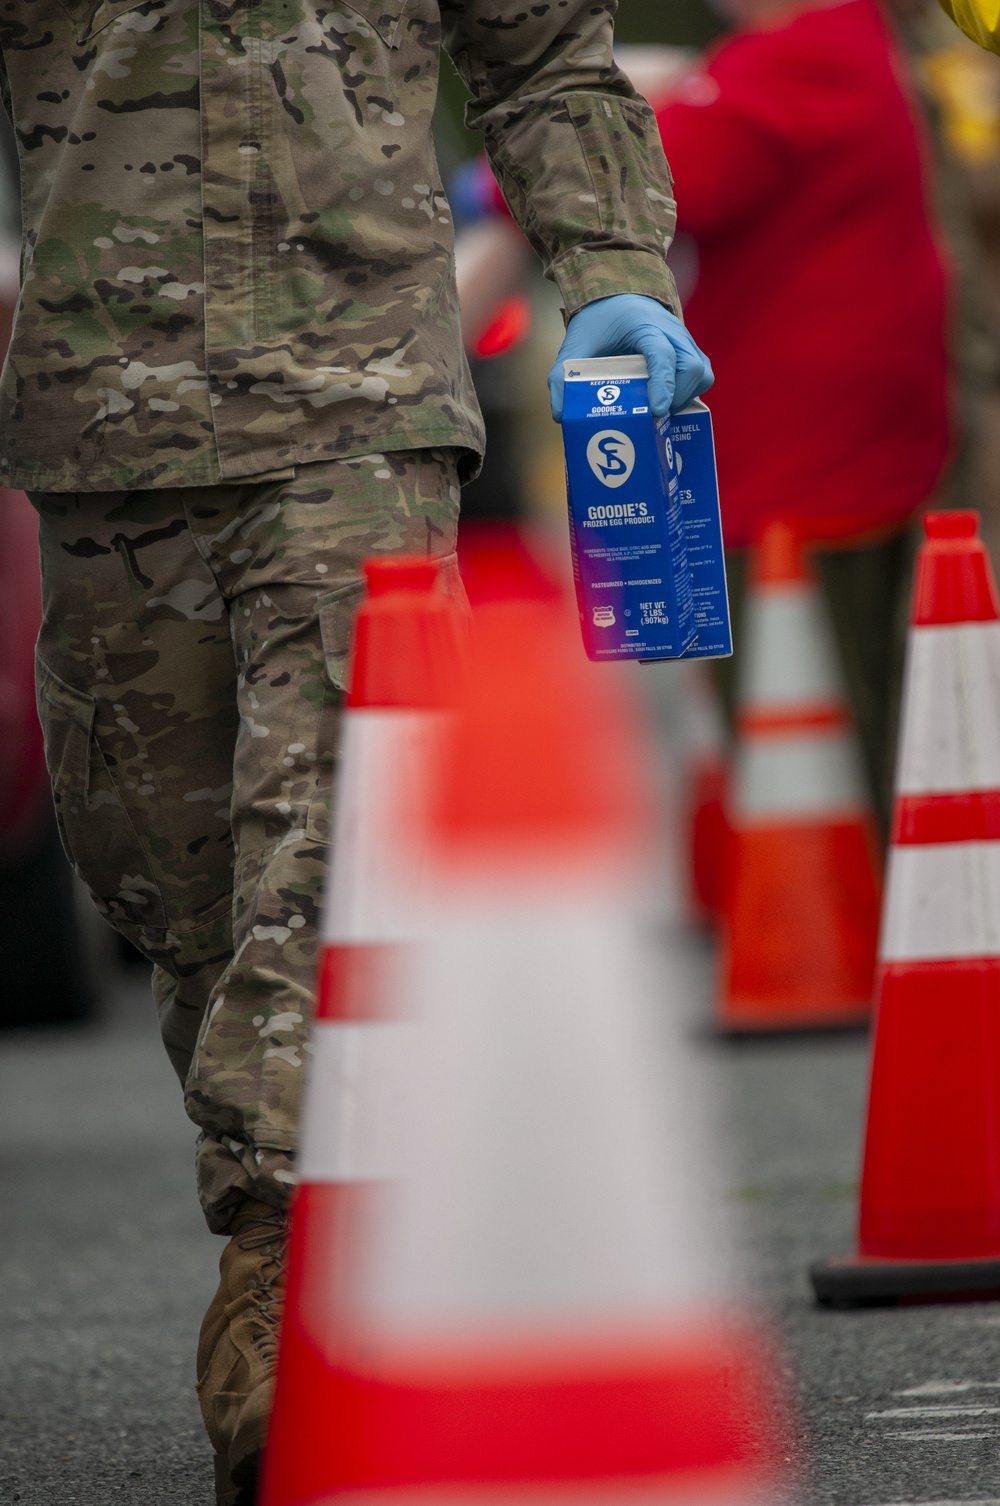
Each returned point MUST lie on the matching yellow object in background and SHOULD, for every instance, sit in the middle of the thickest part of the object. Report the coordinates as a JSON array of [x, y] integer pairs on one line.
[[979, 19], [965, 85]]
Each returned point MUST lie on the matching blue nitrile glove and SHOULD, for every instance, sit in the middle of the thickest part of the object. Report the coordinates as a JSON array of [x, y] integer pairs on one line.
[[629, 324]]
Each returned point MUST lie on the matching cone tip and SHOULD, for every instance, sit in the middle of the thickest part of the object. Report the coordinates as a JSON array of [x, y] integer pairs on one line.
[[951, 525], [400, 572], [545, 760], [954, 580], [780, 558], [407, 648]]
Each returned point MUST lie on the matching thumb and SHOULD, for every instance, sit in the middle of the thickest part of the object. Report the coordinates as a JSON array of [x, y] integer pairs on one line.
[[557, 387], [573, 342], [661, 362]]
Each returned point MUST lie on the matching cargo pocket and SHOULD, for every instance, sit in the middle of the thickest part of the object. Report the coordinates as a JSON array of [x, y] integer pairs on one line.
[[600, 126], [336, 612], [95, 827]]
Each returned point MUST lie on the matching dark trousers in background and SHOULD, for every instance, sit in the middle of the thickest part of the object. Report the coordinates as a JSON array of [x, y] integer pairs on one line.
[[866, 588]]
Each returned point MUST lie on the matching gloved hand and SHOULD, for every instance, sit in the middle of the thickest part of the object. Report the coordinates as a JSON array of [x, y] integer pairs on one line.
[[629, 324]]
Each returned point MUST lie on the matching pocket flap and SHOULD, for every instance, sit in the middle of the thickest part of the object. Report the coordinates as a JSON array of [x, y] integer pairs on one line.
[[336, 613], [67, 720], [101, 15], [384, 16]]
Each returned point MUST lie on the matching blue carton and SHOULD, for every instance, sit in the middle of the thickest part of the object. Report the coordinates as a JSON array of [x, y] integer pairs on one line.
[[645, 529], [630, 564], [698, 490]]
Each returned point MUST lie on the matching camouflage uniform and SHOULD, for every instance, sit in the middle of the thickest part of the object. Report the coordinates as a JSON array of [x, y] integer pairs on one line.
[[238, 251], [191, 661], [236, 368]]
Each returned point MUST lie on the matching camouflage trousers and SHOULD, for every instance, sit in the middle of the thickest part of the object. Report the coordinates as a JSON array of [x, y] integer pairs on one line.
[[190, 669]]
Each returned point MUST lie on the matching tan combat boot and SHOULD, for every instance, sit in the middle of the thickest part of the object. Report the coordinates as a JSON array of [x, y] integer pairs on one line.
[[238, 1349]]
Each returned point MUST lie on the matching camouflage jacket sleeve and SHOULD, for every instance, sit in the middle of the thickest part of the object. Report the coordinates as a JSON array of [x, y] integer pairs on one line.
[[575, 150]]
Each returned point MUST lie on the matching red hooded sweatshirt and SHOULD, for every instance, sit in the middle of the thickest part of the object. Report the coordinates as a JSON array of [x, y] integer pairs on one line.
[[800, 172]]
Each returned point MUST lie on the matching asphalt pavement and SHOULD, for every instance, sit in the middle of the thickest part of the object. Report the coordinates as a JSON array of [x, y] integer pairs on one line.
[[106, 1268], [894, 1404]]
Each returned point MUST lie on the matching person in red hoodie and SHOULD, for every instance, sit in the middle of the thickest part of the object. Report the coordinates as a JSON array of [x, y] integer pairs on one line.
[[821, 299]]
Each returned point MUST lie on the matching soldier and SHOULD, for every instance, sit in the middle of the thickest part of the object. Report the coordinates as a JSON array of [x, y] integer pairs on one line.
[[236, 371]]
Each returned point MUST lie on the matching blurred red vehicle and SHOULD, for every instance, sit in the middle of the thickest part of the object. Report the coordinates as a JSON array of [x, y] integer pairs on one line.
[[24, 787], [47, 972]]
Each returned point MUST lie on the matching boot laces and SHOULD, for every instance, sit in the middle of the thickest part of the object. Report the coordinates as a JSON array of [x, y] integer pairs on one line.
[[268, 1235]]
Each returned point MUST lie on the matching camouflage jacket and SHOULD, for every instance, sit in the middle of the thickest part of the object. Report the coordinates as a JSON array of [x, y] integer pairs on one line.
[[238, 254]]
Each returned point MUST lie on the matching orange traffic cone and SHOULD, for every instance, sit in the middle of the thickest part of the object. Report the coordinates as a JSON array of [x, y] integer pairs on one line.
[[407, 664], [507, 1287], [706, 758], [930, 1192], [801, 913]]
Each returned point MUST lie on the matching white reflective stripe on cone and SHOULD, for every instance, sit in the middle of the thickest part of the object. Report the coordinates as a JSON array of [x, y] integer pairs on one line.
[[355, 1111], [369, 898], [790, 776], [950, 735], [555, 1132], [789, 653], [942, 901]]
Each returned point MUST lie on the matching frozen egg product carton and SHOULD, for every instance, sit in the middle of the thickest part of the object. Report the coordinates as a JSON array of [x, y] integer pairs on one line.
[[644, 518]]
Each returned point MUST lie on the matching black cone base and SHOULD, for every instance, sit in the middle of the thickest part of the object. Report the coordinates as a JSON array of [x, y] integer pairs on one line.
[[856, 1281]]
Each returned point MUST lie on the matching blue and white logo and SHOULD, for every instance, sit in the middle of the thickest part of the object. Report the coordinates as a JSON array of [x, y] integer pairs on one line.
[[608, 395], [611, 457]]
